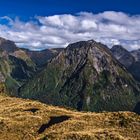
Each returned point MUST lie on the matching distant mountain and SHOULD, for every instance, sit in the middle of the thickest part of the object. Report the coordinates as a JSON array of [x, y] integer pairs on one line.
[[136, 54], [135, 67], [15, 66], [40, 58], [122, 55], [84, 76], [18, 65], [7, 45], [131, 60]]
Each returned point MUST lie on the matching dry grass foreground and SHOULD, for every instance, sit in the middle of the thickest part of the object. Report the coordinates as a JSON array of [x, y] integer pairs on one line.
[[30, 120]]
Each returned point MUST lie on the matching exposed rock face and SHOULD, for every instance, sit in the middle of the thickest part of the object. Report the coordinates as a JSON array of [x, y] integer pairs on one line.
[[131, 60], [122, 55], [84, 76], [136, 54], [7, 45]]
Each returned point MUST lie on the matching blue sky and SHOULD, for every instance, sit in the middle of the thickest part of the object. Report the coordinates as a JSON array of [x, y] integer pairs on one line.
[[29, 8], [40, 24]]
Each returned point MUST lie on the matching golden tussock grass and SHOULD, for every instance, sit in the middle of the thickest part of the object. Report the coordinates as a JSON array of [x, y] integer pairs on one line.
[[30, 120]]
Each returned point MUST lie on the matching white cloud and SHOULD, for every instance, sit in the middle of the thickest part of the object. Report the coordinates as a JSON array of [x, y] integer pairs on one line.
[[57, 31]]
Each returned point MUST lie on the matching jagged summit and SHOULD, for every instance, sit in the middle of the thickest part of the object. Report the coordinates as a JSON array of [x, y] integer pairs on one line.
[[119, 51], [88, 43], [77, 45], [136, 54], [122, 55], [131, 60]]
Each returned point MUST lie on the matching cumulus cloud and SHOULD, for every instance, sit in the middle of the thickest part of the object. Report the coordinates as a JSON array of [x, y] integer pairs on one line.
[[108, 27]]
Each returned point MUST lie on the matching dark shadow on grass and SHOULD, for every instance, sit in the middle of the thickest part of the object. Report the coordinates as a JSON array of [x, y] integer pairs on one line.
[[53, 121], [33, 110]]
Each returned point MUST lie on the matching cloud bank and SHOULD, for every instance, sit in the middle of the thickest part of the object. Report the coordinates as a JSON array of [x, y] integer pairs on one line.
[[109, 27]]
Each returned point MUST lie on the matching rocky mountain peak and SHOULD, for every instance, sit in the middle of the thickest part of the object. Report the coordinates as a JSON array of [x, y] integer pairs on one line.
[[131, 60], [79, 53], [2, 39], [7, 45], [83, 44], [136, 54], [84, 76], [118, 51], [122, 55]]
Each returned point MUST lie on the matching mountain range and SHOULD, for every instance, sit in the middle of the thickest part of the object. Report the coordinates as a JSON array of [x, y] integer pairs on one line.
[[86, 76], [17, 65]]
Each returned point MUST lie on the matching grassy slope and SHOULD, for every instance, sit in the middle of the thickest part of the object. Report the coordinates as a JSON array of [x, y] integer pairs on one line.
[[24, 56], [19, 123], [15, 71]]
